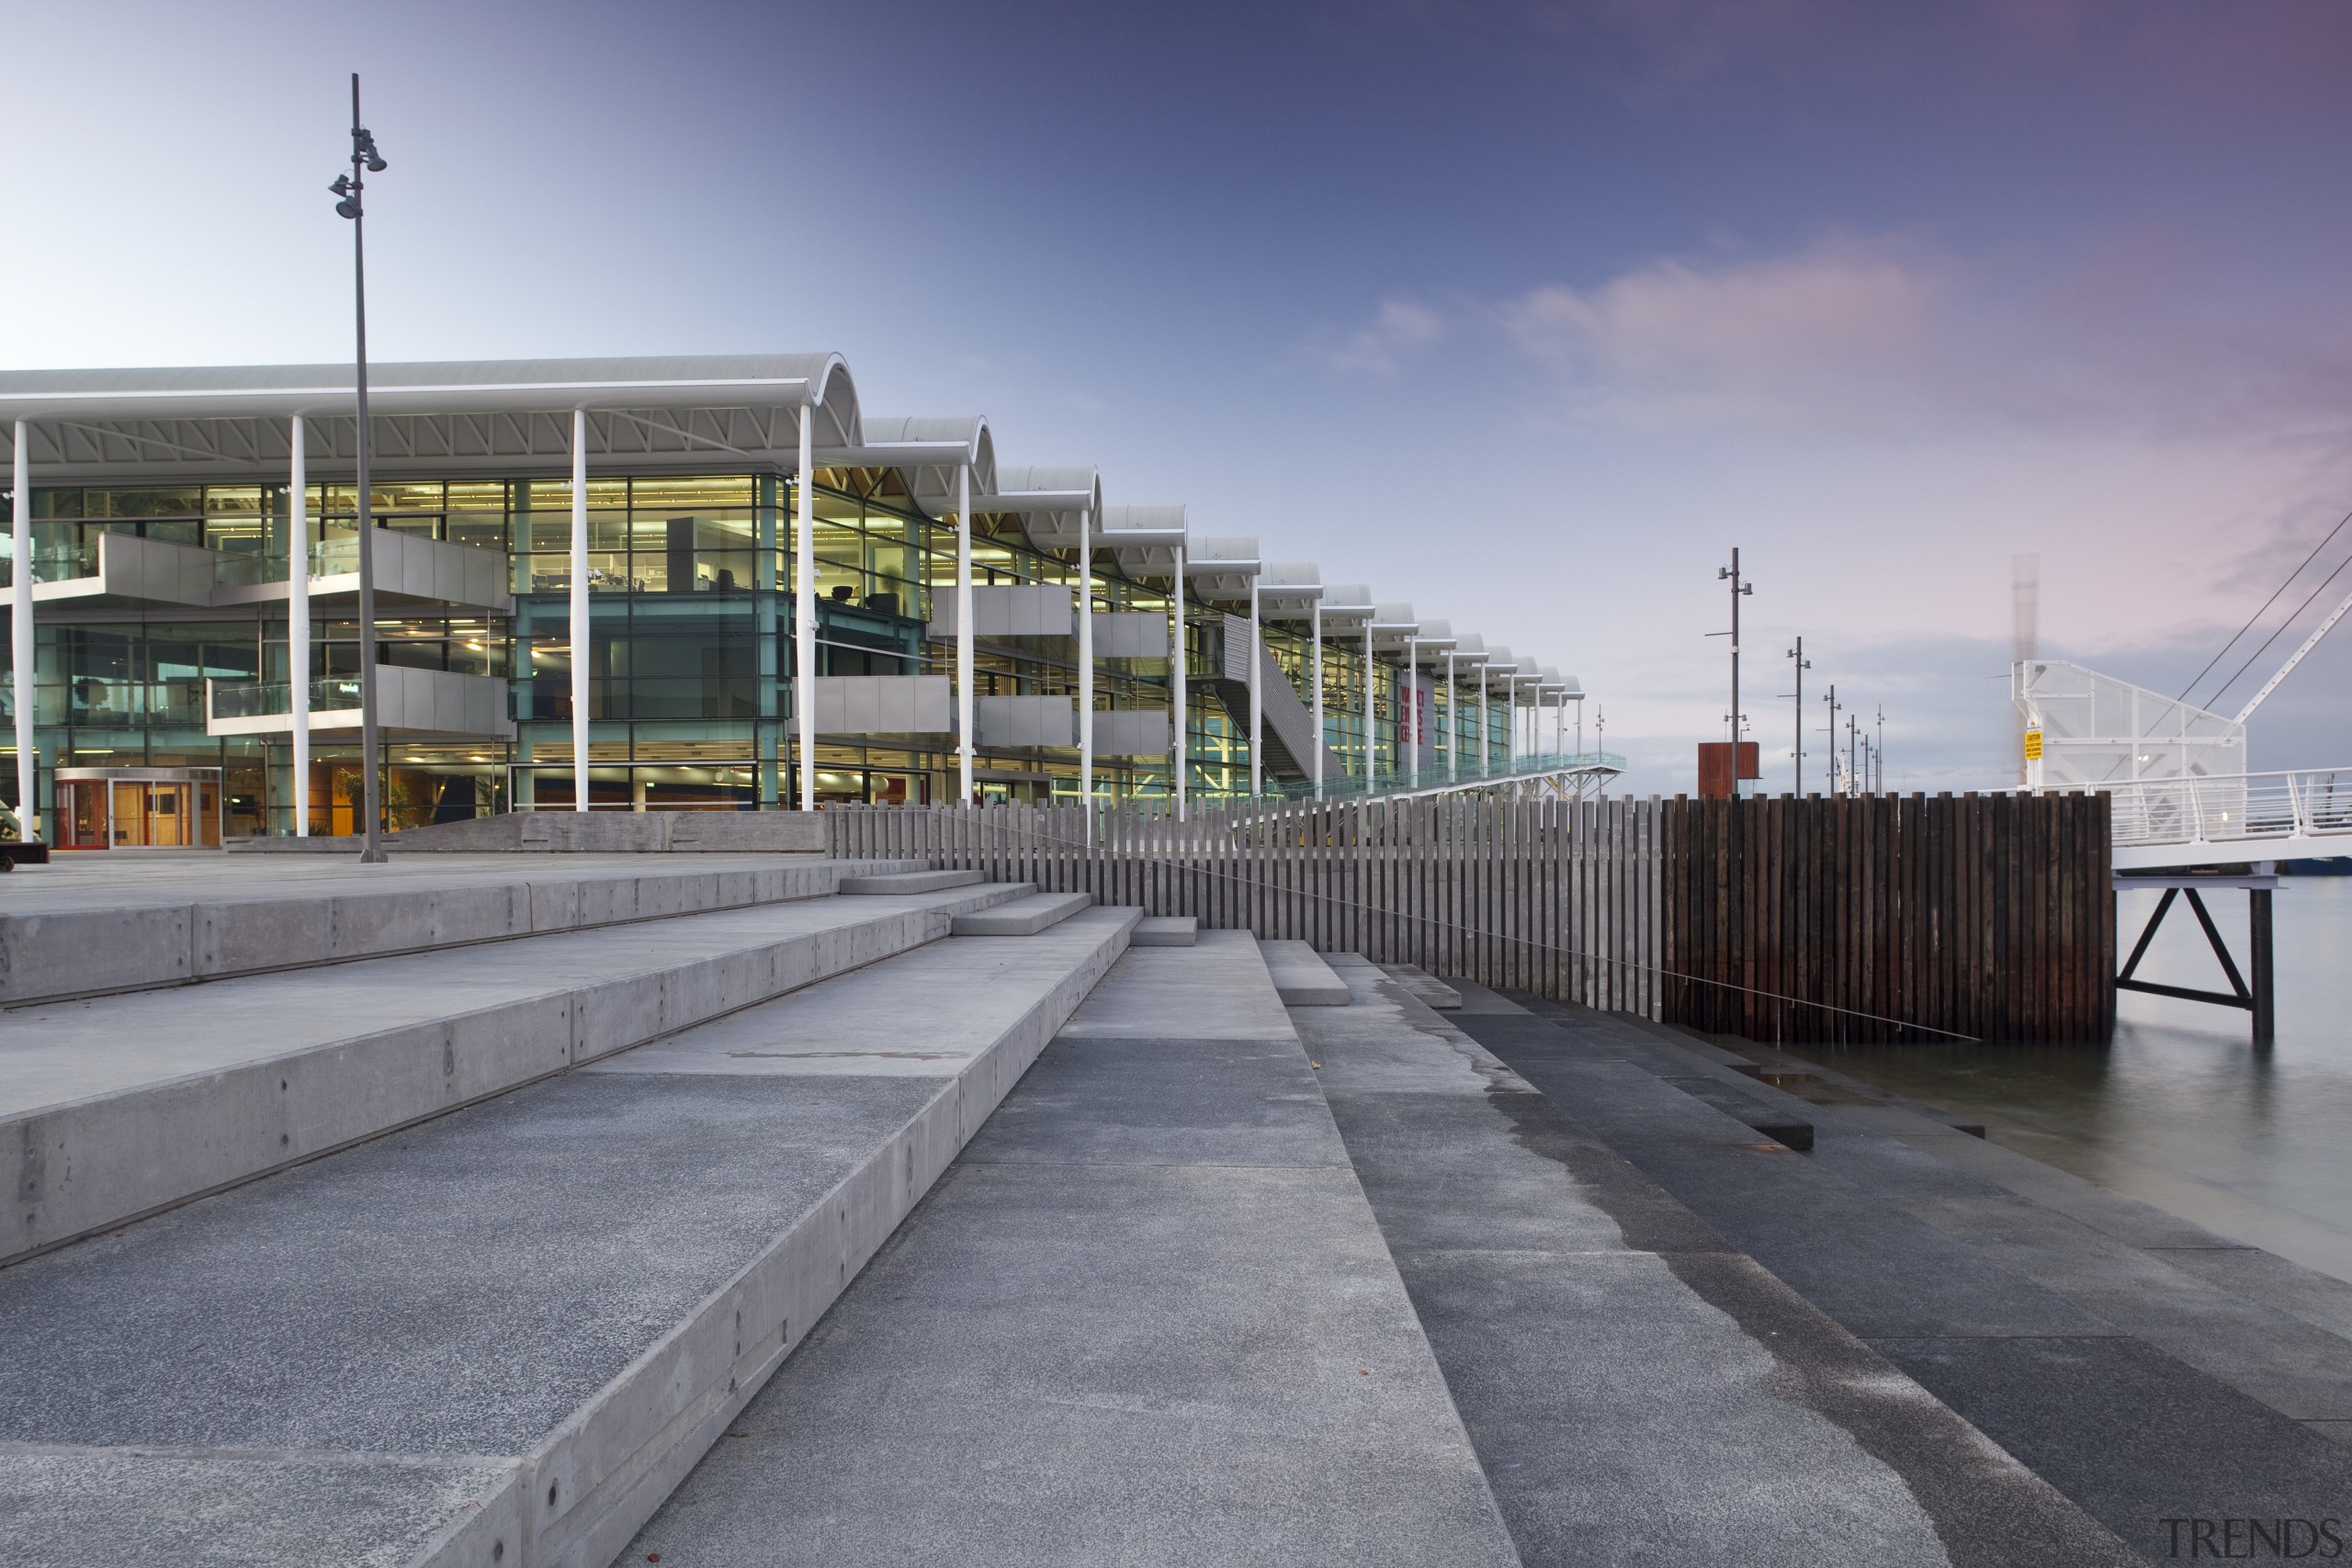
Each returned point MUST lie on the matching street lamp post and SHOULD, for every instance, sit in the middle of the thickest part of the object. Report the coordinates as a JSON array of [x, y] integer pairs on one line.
[[1832, 700], [1803, 665], [1740, 587], [366, 161]]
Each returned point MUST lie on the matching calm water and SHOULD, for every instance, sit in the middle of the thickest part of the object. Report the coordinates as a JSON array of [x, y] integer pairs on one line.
[[2181, 1111]]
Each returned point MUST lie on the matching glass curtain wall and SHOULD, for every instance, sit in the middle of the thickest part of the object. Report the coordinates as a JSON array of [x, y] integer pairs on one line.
[[690, 644]]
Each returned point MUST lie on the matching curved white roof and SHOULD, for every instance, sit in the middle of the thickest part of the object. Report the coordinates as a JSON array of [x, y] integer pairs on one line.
[[927, 452], [441, 415], [662, 412], [1145, 540], [1049, 501]]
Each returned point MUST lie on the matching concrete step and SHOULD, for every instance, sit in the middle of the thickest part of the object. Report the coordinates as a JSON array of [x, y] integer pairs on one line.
[[623, 832], [2274, 1330], [1025, 917], [1426, 987], [575, 1286], [99, 924], [2039, 1350], [1706, 1073], [1146, 1319], [1640, 1391], [1166, 931], [1301, 977], [117, 1106], [901, 881]]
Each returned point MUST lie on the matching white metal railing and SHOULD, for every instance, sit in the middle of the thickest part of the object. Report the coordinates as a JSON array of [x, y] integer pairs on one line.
[[2232, 808]]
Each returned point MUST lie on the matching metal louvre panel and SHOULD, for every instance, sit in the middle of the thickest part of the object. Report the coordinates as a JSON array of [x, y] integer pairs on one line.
[[884, 705], [1130, 634], [1026, 721], [1133, 732]]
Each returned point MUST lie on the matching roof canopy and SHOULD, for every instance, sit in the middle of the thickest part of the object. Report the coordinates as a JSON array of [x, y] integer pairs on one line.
[[662, 413], [695, 411]]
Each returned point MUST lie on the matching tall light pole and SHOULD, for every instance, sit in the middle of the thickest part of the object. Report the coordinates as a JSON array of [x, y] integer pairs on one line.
[[366, 161], [1740, 587], [1803, 665], [1878, 749], [1832, 700]]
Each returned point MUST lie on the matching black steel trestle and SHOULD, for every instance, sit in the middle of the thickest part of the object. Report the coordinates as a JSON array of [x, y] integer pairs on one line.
[[2257, 999]]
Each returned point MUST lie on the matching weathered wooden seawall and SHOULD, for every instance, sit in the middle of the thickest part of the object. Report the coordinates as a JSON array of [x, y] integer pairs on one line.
[[1873, 919], [1990, 916]]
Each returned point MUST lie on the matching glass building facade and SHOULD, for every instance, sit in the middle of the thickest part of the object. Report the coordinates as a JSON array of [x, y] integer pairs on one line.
[[690, 644]]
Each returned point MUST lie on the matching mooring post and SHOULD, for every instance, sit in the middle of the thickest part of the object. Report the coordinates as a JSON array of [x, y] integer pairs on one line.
[[2257, 902]]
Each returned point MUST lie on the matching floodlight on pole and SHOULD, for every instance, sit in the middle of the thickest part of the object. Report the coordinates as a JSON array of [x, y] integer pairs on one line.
[[352, 188], [1797, 769], [1740, 587]]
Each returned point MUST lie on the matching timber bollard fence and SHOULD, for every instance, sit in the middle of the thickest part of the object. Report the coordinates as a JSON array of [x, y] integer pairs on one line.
[[1877, 918]]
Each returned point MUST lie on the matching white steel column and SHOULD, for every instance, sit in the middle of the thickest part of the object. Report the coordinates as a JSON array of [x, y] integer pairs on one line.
[[581, 641], [1413, 706], [1184, 758], [1511, 712], [298, 621], [1454, 728], [1367, 707], [1486, 749], [1085, 668], [804, 607], [1256, 695], [964, 631], [1318, 701], [20, 633]]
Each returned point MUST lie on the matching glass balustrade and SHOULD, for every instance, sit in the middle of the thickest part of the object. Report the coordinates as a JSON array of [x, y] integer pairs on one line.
[[264, 699]]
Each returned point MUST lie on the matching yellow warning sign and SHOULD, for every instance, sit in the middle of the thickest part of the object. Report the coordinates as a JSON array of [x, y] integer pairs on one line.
[[2033, 745]]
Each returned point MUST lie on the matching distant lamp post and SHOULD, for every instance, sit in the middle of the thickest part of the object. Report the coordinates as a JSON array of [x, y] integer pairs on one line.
[[1803, 665], [1740, 587], [350, 187]]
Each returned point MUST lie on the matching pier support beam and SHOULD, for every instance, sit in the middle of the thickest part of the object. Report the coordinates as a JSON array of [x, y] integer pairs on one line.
[[2259, 997]]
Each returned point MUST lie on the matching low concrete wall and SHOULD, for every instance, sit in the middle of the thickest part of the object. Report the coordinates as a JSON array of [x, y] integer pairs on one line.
[[627, 832], [94, 951]]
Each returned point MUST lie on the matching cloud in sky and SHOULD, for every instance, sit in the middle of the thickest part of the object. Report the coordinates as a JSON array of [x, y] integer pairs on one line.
[[1828, 334], [1882, 338], [1398, 330]]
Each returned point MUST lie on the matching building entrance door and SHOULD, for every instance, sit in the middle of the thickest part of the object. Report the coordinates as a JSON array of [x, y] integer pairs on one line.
[[115, 808]]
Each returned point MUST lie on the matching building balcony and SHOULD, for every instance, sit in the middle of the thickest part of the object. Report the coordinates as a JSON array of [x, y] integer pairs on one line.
[[413, 705], [115, 571], [124, 571], [411, 572]]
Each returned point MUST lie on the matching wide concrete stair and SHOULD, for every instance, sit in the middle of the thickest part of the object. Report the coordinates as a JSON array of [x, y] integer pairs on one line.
[[502, 1335], [128, 924], [992, 1236], [1639, 1387], [1148, 1316], [2133, 1368], [119, 1105]]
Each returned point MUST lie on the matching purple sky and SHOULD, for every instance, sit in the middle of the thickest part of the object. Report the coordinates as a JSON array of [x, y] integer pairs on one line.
[[1525, 313]]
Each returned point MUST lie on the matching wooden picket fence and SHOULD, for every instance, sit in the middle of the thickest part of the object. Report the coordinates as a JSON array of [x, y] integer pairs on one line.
[[1556, 898], [1885, 917]]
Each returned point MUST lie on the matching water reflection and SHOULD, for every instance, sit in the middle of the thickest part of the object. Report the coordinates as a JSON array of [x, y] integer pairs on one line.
[[2181, 1111]]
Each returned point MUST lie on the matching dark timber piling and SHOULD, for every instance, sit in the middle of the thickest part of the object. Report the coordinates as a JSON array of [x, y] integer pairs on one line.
[[1877, 918]]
